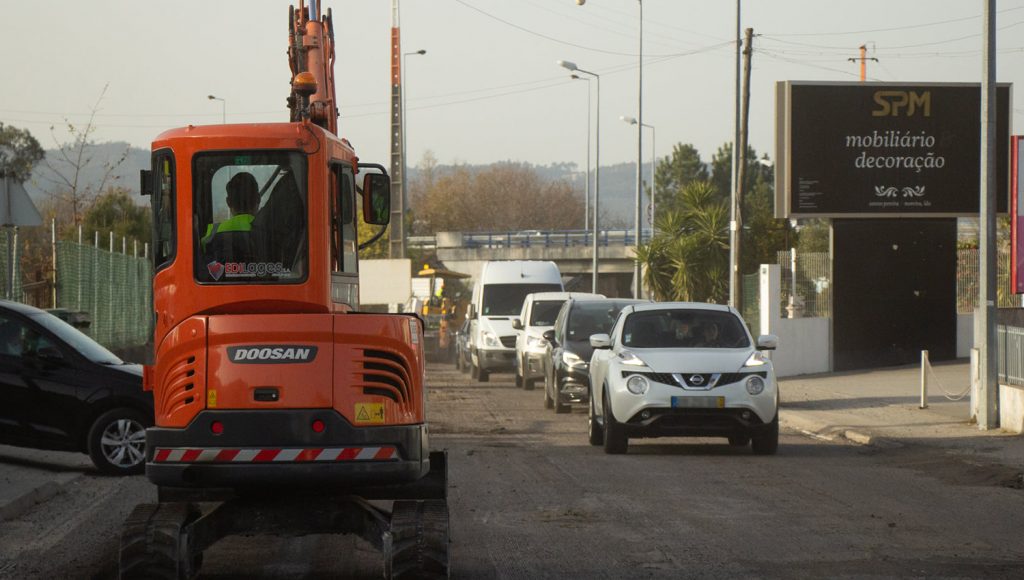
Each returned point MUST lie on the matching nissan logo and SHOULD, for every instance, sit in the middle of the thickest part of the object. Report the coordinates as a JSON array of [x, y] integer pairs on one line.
[[696, 380]]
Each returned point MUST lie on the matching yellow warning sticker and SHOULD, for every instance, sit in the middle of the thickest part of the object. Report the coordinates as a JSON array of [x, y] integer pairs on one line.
[[211, 398], [369, 412]]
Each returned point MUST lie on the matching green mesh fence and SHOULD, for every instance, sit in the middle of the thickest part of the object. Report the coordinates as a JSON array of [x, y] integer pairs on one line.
[[5, 239], [115, 290], [751, 289]]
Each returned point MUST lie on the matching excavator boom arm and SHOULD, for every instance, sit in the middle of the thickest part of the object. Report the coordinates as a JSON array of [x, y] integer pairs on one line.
[[311, 55]]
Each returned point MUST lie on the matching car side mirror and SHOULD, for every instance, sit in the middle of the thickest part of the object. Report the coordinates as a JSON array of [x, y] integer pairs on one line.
[[767, 342], [471, 312], [517, 324], [549, 335], [600, 341], [145, 182]]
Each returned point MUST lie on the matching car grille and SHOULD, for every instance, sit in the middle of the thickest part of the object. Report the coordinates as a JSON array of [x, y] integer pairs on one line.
[[697, 380], [508, 341]]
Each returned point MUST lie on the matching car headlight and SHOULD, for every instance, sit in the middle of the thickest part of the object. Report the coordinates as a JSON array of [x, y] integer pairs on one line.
[[637, 384], [756, 360], [489, 338], [755, 385], [571, 359], [628, 358]]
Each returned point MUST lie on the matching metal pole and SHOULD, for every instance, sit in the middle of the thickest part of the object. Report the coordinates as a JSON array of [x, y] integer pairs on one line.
[[53, 257], [586, 200], [654, 191], [637, 286], [9, 287], [988, 408], [924, 380], [734, 267], [597, 178]]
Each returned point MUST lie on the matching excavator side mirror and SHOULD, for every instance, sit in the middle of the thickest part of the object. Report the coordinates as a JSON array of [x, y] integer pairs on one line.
[[377, 199]]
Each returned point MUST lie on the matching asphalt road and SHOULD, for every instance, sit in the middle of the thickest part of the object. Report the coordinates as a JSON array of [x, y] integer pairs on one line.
[[529, 498]]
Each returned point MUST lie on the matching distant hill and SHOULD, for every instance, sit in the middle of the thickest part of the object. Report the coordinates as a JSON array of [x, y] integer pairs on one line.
[[618, 182], [95, 158]]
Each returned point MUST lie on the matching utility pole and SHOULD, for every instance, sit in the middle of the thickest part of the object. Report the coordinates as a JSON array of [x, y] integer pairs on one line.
[[863, 62], [985, 315], [396, 248], [733, 288], [736, 230]]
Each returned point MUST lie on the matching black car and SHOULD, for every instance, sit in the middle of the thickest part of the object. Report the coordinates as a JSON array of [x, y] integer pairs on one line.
[[61, 390], [567, 360]]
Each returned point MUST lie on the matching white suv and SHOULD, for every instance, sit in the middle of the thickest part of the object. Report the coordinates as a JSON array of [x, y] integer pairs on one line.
[[682, 369], [538, 314]]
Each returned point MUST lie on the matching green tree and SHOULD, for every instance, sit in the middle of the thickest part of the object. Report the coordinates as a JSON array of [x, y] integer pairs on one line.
[[674, 173], [19, 152], [688, 257], [114, 211]]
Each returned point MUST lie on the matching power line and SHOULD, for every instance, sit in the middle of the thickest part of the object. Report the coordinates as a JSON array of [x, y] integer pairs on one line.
[[897, 28], [934, 43]]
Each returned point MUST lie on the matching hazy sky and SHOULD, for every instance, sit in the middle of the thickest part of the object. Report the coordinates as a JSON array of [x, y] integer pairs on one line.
[[488, 88]]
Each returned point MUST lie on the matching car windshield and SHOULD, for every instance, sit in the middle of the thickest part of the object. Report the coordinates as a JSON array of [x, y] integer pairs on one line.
[[684, 328], [77, 340], [544, 312], [507, 299], [587, 318]]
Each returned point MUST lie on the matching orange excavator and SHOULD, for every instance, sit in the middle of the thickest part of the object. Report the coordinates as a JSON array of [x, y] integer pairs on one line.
[[279, 407]]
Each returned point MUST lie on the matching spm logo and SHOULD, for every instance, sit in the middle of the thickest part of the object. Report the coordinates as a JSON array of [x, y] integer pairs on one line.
[[906, 103], [271, 354]]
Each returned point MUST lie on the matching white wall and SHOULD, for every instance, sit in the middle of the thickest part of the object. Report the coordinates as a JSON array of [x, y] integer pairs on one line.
[[1011, 408], [804, 343], [385, 281], [964, 335]]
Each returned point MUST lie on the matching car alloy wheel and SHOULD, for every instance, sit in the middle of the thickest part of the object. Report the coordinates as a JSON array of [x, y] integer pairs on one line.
[[117, 442]]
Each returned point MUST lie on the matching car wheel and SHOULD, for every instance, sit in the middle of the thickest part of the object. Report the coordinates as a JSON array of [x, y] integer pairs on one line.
[[474, 371], [117, 441], [595, 434], [528, 384], [458, 362], [560, 407], [767, 442], [519, 379], [483, 376], [615, 439], [738, 440], [548, 402]]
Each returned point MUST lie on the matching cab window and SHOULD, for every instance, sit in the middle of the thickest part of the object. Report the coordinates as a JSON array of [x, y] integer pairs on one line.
[[250, 219], [163, 209], [343, 221]]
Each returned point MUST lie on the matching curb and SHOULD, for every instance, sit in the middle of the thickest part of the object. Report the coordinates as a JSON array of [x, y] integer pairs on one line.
[[818, 429], [17, 506]]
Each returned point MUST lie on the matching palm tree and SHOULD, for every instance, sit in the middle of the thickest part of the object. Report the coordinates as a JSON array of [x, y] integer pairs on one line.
[[688, 257]]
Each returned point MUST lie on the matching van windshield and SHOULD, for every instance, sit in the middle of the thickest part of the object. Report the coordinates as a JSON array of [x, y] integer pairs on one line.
[[507, 299]]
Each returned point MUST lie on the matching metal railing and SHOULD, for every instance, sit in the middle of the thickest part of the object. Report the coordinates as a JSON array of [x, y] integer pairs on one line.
[[537, 238], [806, 284], [1010, 354]]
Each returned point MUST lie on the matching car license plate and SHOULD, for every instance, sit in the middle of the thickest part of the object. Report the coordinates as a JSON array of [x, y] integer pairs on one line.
[[698, 402]]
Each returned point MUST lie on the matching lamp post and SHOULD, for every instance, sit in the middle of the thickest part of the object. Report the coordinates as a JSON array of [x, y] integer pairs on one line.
[[401, 125], [223, 108], [571, 66], [734, 206], [654, 161], [586, 200], [637, 286]]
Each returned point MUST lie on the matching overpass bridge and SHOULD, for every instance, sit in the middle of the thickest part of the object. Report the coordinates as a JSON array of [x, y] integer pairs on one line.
[[571, 250]]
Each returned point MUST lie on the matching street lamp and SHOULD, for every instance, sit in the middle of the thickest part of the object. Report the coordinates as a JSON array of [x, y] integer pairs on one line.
[[571, 66], [654, 161], [586, 200], [401, 126], [223, 108]]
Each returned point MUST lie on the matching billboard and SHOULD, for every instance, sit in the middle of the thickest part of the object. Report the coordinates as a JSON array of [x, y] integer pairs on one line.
[[1016, 216], [884, 149]]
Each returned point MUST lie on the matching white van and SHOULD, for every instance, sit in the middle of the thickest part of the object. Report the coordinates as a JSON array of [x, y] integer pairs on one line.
[[538, 314], [498, 297]]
